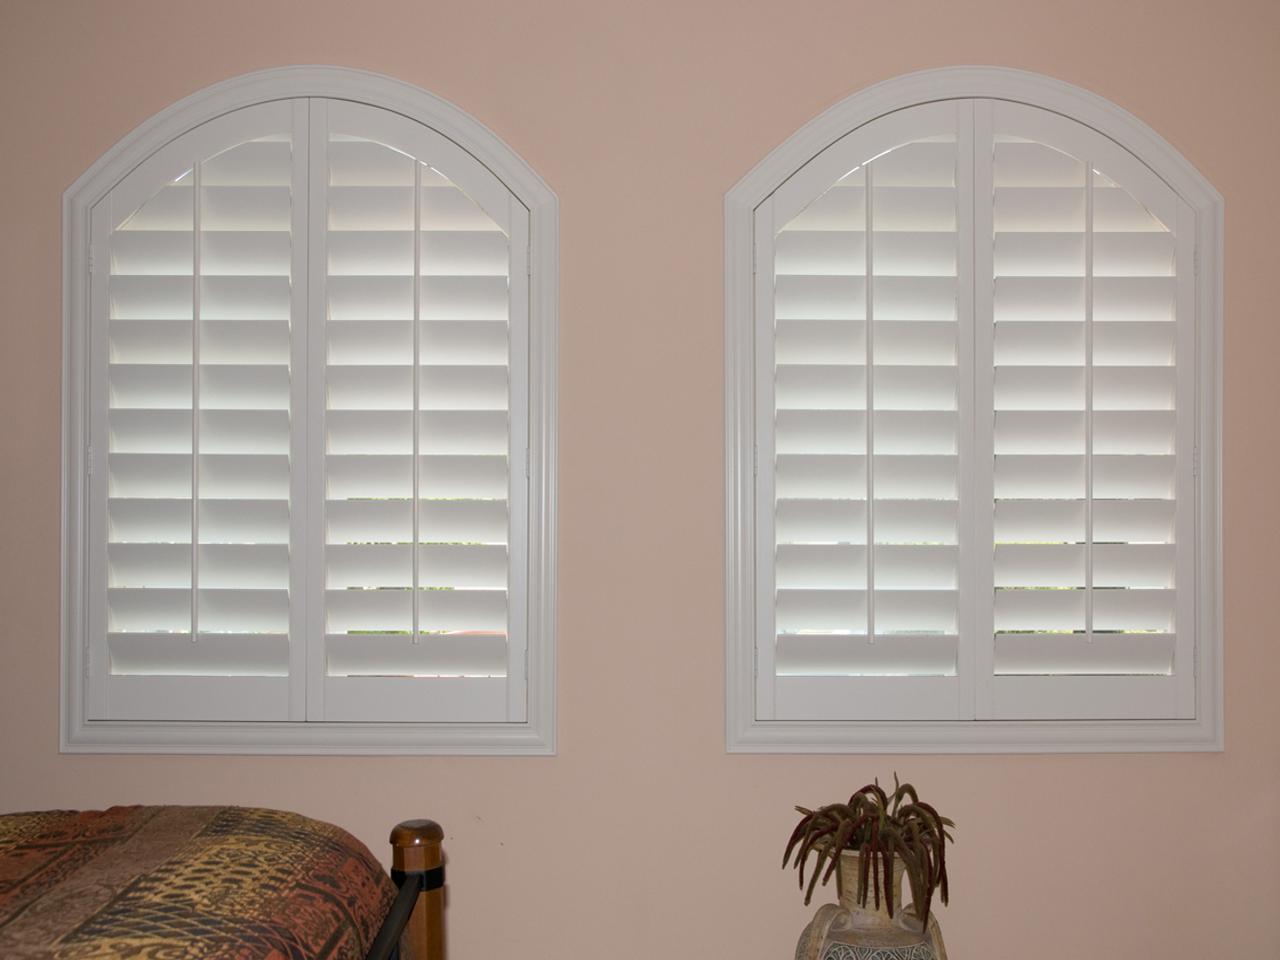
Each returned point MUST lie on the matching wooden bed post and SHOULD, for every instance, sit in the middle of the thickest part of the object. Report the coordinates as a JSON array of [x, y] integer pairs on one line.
[[415, 848]]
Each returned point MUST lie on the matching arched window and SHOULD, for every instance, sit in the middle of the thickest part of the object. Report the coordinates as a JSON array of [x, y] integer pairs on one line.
[[972, 436], [311, 337]]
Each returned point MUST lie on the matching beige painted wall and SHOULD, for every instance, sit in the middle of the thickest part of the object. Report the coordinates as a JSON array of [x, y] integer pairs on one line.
[[642, 838]]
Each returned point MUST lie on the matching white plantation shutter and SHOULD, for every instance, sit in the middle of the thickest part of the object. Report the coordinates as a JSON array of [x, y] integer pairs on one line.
[[307, 489], [417, 397], [866, 418], [1091, 445], [973, 450], [200, 321]]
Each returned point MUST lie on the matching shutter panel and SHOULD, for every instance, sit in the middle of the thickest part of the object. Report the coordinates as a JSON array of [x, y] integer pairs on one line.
[[1085, 427], [198, 330], [866, 421], [418, 430]]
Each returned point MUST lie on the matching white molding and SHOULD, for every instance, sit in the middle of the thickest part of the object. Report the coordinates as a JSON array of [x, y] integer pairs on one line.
[[309, 738], [994, 83], [746, 734], [973, 736], [538, 734]]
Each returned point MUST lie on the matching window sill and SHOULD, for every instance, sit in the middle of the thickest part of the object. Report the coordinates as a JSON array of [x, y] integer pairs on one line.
[[976, 736], [310, 738]]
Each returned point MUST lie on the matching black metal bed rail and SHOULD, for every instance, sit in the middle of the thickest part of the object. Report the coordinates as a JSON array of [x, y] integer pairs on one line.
[[386, 945]]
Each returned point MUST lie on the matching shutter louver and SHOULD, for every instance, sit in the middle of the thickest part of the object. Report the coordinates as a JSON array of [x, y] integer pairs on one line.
[[417, 395], [1085, 422], [198, 340], [866, 422]]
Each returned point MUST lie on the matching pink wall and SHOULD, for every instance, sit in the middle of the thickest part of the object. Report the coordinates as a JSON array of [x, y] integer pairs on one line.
[[642, 838]]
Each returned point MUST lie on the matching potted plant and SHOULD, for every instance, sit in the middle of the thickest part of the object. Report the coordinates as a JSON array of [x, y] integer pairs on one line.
[[869, 843]]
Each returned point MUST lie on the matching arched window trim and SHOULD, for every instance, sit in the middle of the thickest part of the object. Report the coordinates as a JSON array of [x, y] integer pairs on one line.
[[537, 735], [744, 733]]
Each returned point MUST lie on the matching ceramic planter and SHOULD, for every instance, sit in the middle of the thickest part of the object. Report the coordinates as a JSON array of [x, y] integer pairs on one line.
[[847, 931]]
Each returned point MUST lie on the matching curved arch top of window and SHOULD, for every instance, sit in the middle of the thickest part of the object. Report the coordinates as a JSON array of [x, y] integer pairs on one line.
[[310, 401], [972, 367]]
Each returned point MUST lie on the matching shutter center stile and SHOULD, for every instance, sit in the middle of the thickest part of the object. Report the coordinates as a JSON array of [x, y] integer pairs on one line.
[[869, 412], [196, 272], [415, 491], [1089, 176]]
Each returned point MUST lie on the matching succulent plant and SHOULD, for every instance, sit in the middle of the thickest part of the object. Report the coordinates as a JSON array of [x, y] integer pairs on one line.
[[878, 826]]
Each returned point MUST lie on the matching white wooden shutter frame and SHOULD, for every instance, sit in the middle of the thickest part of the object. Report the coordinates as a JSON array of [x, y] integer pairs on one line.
[[104, 711], [437, 699], [268, 695], [847, 697], [978, 709], [1117, 697]]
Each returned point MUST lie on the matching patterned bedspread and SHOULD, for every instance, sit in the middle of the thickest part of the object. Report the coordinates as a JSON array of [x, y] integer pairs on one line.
[[185, 883]]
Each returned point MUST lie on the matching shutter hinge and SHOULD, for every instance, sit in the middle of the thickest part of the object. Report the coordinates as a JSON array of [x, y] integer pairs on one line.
[[1195, 461], [1195, 261], [526, 463], [91, 259], [528, 260], [755, 255], [88, 460]]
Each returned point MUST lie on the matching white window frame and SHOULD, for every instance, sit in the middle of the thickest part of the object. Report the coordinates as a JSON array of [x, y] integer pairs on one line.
[[535, 736], [747, 734]]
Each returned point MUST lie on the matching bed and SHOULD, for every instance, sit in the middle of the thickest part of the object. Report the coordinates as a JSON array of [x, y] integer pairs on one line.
[[213, 883]]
